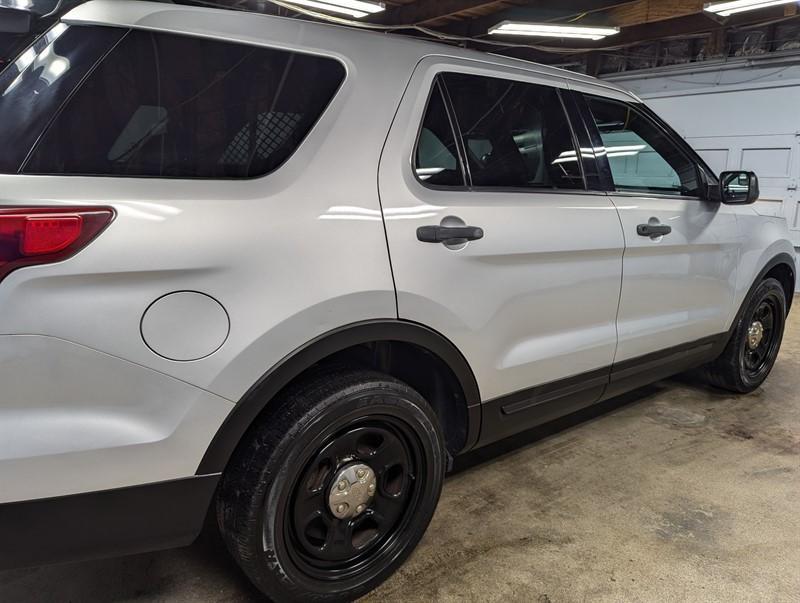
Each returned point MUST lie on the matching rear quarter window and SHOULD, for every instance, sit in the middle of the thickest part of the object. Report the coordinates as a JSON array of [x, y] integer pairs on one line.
[[169, 106], [37, 82]]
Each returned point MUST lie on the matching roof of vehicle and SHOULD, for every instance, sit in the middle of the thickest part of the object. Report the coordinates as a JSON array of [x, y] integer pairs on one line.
[[259, 28]]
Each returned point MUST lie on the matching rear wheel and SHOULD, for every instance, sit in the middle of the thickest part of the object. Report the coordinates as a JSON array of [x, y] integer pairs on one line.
[[753, 348], [333, 487]]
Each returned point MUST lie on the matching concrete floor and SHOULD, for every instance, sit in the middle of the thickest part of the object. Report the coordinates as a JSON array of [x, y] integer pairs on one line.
[[675, 493]]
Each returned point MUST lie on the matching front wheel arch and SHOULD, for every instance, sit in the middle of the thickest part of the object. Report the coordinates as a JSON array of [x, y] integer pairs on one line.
[[782, 268]]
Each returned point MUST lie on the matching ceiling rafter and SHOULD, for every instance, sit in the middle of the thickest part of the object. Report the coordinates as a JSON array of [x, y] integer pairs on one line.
[[424, 11], [652, 11]]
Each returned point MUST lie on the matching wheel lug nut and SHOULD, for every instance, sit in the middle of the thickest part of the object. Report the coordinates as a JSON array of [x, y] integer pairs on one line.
[[361, 473], [360, 508], [341, 509], [371, 488], [342, 485]]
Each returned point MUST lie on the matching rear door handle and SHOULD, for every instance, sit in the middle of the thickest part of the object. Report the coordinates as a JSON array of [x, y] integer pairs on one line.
[[653, 230], [449, 235]]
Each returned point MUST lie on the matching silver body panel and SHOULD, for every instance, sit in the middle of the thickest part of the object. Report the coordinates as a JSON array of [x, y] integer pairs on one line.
[[73, 419], [514, 302], [679, 288], [87, 405]]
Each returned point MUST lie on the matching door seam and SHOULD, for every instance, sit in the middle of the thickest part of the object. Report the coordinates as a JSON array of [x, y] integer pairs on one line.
[[621, 275]]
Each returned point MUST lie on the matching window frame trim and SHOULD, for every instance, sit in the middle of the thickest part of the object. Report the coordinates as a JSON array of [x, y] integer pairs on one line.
[[583, 115]]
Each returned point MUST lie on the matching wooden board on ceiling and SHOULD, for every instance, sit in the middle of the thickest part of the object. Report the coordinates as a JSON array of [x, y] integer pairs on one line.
[[651, 11]]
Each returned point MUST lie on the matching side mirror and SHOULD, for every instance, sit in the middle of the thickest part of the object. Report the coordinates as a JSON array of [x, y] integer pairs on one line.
[[739, 188]]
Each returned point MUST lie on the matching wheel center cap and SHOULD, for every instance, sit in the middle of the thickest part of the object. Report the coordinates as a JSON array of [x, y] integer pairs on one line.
[[352, 491], [755, 335]]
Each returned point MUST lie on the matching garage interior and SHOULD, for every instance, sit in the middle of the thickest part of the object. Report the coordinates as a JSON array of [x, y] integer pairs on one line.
[[675, 492]]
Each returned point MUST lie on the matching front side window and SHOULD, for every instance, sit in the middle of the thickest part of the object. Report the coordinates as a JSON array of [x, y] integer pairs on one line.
[[516, 135], [642, 157], [169, 106]]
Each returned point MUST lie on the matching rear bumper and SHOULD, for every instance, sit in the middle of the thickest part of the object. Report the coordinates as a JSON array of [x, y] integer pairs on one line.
[[104, 524]]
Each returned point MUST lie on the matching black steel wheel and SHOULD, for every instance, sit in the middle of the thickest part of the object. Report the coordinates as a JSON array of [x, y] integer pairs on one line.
[[756, 340], [334, 488], [330, 547], [763, 337]]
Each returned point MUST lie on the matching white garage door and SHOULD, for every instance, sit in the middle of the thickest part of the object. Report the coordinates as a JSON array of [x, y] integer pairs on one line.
[[776, 160]]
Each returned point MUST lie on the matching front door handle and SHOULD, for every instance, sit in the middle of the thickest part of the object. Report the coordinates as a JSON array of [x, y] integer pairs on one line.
[[653, 230], [449, 235]]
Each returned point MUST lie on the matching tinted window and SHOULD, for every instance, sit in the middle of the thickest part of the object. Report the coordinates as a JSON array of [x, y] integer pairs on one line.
[[180, 107], [641, 155], [36, 83], [436, 159], [516, 135]]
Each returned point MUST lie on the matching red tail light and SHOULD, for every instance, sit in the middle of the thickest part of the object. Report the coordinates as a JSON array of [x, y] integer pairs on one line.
[[42, 235]]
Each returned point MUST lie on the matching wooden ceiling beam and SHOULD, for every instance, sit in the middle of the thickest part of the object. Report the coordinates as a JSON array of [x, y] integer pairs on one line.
[[652, 11], [423, 11], [688, 25], [693, 24]]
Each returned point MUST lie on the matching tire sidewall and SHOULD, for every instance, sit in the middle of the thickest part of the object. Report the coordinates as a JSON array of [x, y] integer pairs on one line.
[[767, 288], [290, 456]]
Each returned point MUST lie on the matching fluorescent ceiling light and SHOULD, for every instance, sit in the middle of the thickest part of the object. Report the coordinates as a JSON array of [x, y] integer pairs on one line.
[[18, 4], [353, 8], [550, 30], [727, 9]]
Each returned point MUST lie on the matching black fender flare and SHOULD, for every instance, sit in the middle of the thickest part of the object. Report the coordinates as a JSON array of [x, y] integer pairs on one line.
[[781, 258], [273, 381]]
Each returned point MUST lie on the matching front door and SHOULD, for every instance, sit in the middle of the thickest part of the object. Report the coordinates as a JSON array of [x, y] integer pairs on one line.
[[495, 241], [681, 251]]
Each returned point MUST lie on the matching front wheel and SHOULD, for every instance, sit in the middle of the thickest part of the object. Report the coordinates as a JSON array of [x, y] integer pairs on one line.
[[753, 348], [333, 487]]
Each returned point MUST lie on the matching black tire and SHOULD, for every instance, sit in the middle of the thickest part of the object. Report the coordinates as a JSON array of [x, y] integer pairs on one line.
[[272, 519], [742, 368]]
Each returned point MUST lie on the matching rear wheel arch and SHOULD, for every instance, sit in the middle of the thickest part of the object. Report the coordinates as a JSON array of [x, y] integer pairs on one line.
[[408, 351]]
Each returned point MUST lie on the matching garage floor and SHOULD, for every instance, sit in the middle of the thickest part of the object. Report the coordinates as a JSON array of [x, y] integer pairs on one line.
[[675, 493]]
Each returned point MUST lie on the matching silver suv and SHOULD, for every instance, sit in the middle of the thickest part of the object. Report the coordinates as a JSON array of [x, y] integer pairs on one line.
[[287, 271]]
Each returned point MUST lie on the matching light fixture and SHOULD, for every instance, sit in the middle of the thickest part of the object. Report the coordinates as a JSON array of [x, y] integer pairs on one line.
[[550, 30], [353, 8], [17, 4], [726, 9]]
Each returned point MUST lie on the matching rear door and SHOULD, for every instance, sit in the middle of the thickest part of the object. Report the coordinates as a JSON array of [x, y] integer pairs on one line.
[[681, 251], [532, 302]]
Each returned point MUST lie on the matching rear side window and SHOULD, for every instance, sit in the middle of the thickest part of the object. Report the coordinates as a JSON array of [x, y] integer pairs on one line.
[[169, 106], [437, 162], [516, 135], [36, 83]]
